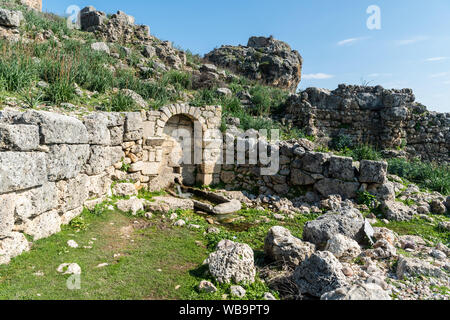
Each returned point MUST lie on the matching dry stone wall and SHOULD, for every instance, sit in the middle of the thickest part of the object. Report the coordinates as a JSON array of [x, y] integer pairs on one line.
[[52, 165], [302, 169], [388, 119]]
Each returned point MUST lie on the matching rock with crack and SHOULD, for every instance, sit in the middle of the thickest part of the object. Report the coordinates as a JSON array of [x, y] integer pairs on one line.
[[237, 291], [359, 291], [281, 245], [319, 274], [232, 262], [348, 222]]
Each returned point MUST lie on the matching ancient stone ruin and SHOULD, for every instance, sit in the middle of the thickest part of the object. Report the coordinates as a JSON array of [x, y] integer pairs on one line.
[[52, 165], [389, 119]]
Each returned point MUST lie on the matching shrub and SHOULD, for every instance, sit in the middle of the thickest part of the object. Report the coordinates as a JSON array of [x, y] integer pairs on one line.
[[60, 91], [342, 142], [120, 102], [427, 175], [362, 152]]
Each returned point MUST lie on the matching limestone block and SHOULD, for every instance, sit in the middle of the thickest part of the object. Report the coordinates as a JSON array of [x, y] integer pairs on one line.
[[56, 128], [22, 170], [44, 225], [19, 137], [66, 161]]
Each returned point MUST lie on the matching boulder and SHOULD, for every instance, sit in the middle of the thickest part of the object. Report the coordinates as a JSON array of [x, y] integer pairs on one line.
[[383, 192], [44, 225], [348, 222], [438, 207], [232, 262], [97, 127], [228, 207], [10, 18], [267, 60], [328, 187], [397, 211], [165, 204], [69, 268], [65, 161], [7, 219], [237, 291], [281, 245], [341, 168], [314, 162], [319, 274], [412, 267], [343, 248], [206, 287], [359, 291]]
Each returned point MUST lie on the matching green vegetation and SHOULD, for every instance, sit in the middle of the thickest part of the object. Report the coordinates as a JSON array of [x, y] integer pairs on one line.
[[426, 175], [120, 102], [427, 230]]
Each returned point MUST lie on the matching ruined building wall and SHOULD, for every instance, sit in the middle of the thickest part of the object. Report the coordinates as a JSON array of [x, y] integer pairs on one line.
[[388, 119], [53, 165]]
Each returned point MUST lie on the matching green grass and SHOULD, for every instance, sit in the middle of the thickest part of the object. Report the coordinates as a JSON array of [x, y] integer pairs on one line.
[[426, 175], [419, 227], [134, 275]]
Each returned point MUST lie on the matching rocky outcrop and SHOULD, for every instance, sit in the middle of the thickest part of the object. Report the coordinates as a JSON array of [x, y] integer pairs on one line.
[[119, 28], [267, 60]]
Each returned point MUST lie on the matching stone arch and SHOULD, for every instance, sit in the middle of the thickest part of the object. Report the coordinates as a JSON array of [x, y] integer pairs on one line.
[[183, 117]]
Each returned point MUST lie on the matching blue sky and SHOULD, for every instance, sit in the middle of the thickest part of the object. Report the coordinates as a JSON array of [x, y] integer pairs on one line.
[[412, 49]]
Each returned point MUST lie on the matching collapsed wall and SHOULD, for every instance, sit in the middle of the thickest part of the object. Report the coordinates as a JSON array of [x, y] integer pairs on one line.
[[388, 119], [52, 165]]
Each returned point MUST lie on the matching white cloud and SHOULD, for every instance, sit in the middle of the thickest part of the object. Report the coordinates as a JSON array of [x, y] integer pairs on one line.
[[377, 75], [439, 75], [434, 59], [350, 41], [411, 41], [317, 76]]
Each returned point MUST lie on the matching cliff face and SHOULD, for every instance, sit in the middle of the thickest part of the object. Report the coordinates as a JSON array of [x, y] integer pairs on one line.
[[270, 61]]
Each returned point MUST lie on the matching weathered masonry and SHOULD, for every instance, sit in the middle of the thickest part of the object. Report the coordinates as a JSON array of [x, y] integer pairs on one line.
[[52, 165]]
